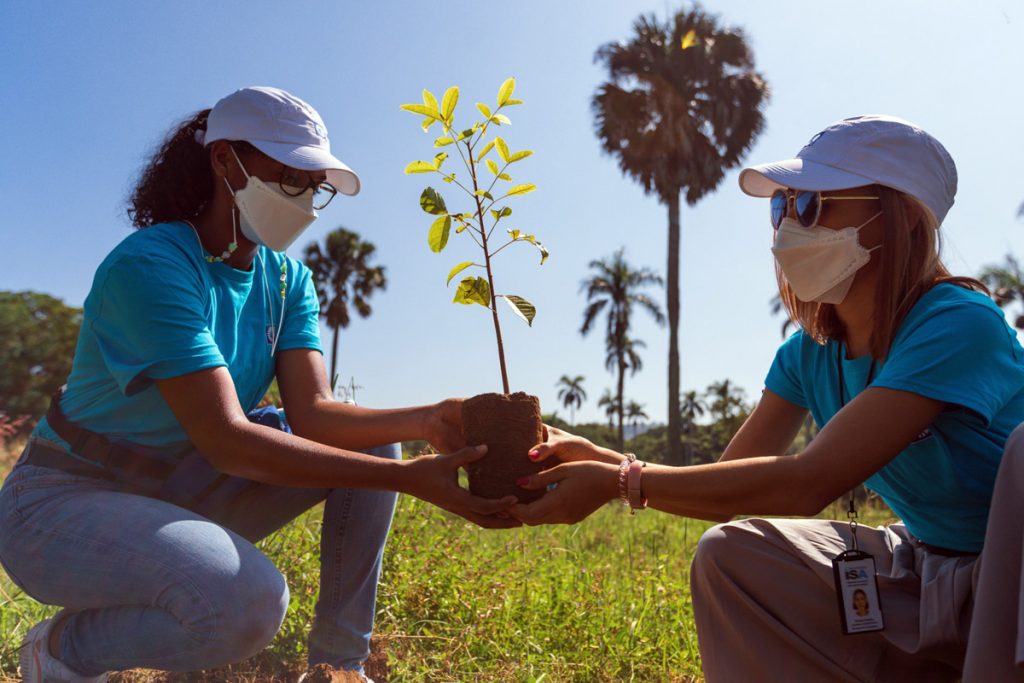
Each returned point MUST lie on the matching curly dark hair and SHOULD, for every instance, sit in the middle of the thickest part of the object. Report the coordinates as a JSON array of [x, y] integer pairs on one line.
[[176, 182]]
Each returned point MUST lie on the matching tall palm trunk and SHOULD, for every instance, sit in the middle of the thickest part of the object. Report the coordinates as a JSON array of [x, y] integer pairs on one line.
[[674, 431], [622, 387], [334, 358]]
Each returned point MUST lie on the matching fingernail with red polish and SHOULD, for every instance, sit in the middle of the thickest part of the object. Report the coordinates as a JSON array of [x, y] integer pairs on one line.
[[534, 455], [522, 481]]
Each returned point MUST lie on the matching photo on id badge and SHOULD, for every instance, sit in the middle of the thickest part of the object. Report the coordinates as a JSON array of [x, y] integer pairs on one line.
[[860, 609]]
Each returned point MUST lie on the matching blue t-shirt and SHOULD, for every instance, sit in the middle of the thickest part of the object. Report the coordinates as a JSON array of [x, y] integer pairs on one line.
[[157, 309], [954, 346]]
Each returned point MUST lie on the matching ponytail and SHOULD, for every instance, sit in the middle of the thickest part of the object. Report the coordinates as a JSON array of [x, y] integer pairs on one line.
[[177, 182]]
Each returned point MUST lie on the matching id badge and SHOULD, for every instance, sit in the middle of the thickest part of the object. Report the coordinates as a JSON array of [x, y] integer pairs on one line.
[[860, 609]]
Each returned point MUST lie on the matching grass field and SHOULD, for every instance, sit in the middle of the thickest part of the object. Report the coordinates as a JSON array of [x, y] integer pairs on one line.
[[604, 600]]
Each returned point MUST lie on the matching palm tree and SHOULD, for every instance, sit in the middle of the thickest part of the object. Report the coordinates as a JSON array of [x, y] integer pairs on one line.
[[635, 413], [726, 399], [1007, 284], [615, 286], [682, 104], [634, 363], [342, 275], [610, 403], [571, 394], [690, 408]]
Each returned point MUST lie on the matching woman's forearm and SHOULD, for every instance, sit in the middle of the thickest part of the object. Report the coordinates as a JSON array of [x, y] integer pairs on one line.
[[348, 426], [271, 456], [754, 486]]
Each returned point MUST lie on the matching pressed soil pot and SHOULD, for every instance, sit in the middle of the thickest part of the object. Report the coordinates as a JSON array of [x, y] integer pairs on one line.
[[510, 425]]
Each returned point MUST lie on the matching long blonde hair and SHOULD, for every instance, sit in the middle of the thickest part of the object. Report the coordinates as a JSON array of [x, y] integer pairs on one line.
[[909, 266]]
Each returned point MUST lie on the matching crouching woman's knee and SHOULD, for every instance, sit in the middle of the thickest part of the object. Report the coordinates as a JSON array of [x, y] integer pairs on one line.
[[717, 550], [249, 604], [261, 607]]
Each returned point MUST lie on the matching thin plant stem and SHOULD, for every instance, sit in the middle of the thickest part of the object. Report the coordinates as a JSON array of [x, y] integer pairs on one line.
[[490, 281]]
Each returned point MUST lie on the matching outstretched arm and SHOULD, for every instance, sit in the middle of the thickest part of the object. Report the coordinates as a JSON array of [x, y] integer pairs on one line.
[[870, 431], [206, 405]]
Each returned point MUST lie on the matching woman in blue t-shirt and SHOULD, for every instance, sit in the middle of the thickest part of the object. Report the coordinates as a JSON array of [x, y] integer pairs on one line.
[[139, 496], [916, 381]]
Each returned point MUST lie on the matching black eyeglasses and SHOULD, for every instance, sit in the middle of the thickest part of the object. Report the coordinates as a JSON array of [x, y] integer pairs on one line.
[[292, 182], [295, 183], [806, 206]]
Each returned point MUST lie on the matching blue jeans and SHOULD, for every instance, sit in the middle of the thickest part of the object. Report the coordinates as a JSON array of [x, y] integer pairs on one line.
[[152, 584]]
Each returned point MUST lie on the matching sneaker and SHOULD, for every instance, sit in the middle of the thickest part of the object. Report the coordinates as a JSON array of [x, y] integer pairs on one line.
[[39, 666], [323, 673]]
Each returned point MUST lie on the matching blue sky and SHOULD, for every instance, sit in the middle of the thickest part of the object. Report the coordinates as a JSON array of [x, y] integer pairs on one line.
[[90, 88]]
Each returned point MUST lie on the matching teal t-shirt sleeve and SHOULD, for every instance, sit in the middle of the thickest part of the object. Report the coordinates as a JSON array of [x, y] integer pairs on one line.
[[964, 354], [148, 321], [301, 328], [784, 375]]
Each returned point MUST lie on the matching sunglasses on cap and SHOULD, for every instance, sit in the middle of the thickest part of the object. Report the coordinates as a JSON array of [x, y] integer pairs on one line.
[[806, 206]]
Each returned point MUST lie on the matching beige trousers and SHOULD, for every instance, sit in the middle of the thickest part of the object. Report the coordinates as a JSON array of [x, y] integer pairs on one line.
[[764, 600]]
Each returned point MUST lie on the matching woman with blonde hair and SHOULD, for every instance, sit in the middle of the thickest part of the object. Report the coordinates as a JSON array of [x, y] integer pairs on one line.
[[916, 381]]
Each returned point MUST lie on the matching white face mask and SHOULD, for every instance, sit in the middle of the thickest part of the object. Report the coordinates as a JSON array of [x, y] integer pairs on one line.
[[269, 216], [820, 263]]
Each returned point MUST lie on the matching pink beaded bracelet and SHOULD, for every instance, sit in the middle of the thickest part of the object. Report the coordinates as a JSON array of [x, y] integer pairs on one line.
[[634, 489], [624, 477]]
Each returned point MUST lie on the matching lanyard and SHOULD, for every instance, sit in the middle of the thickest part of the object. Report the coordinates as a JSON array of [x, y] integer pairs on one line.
[[851, 511]]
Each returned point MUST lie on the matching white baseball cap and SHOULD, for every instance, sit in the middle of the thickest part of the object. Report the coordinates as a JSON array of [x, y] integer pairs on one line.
[[865, 150], [281, 126]]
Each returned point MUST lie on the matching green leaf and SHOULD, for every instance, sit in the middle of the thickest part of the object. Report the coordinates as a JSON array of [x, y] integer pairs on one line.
[[505, 91], [484, 193], [427, 123], [422, 110], [493, 167], [514, 234], [501, 119], [449, 178], [451, 97], [509, 103], [437, 238], [429, 100], [458, 269], [505, 212], [432, 202], [439, 159], [504, 176], [443, 141], [462, 226], [543, 252], [532, 239], [473, 290], [468, 133], [420, 167], [523, 308], [519, 156], [484, 109], [502, 149], [487, 148], [525, 188]]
